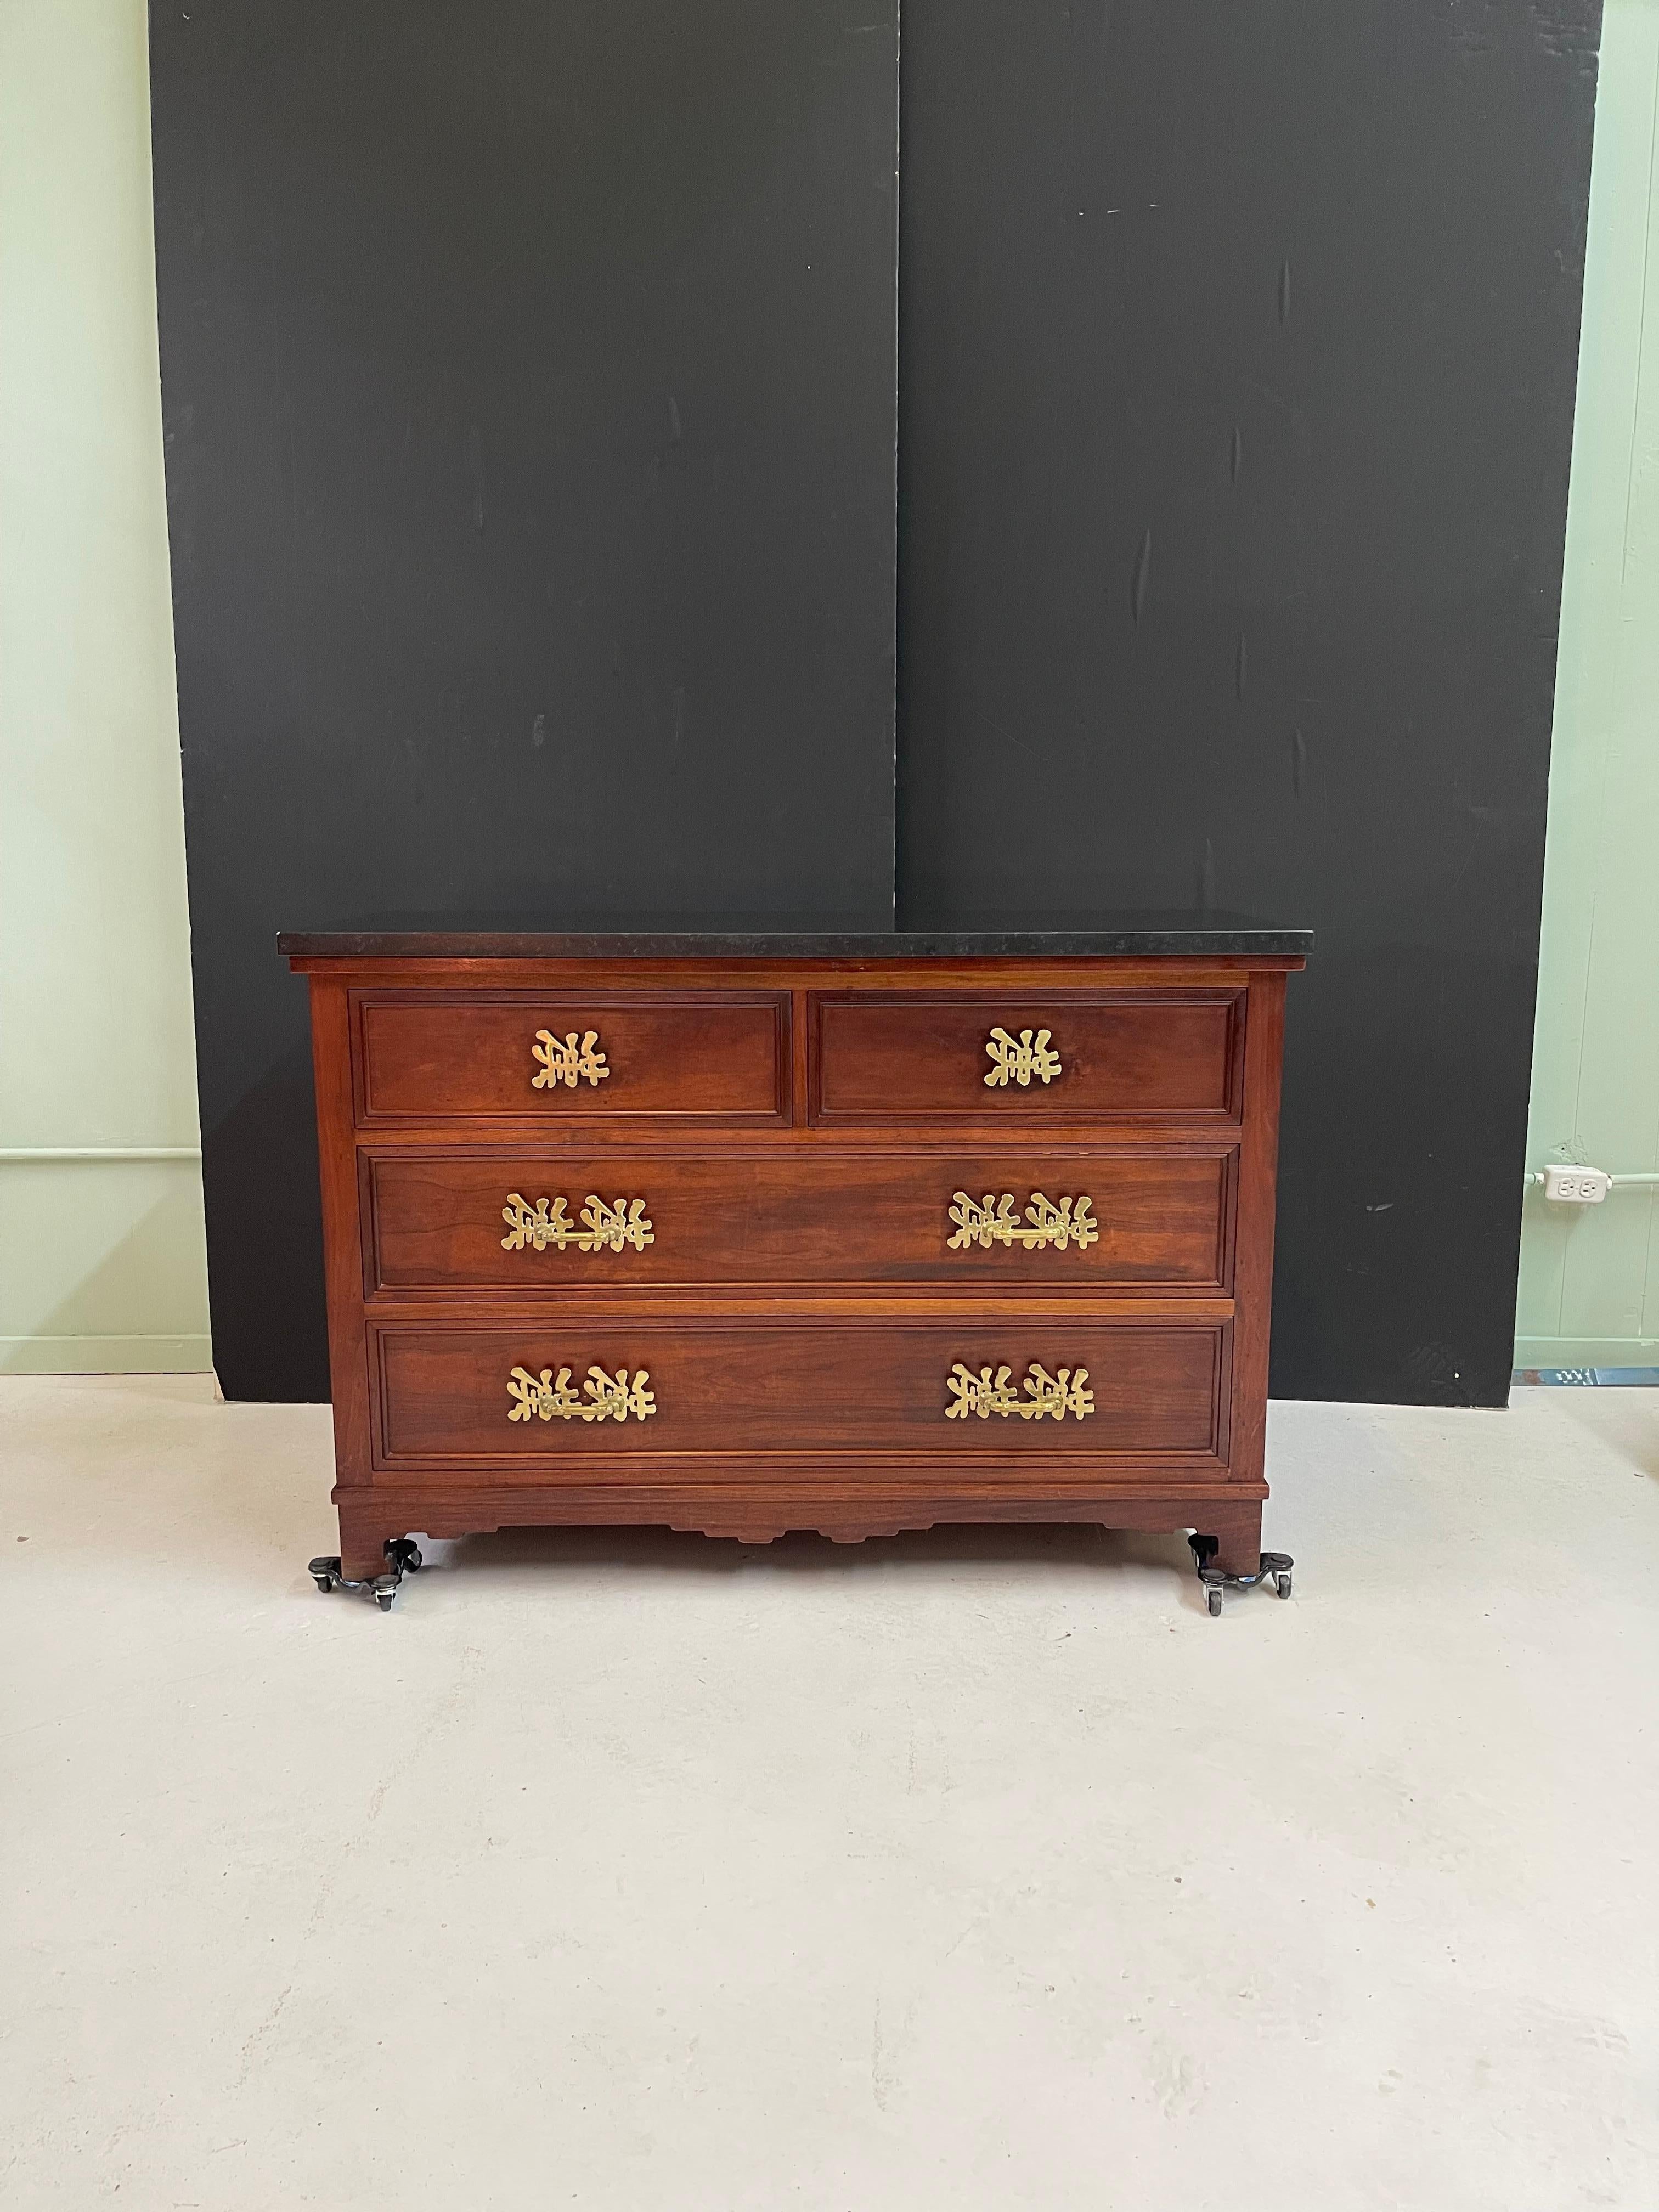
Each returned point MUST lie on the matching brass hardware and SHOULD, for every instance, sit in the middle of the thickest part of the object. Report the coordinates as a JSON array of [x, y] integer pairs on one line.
[[548, 1398], [1058, 1394], [622, 1222], [1018, 1060], [562, 1060], [993, 1221]]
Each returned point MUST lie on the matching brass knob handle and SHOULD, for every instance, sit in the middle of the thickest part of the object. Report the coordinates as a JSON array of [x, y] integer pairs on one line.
[[547, 1397], [561, 1059], [992, 1221], [1017, 1059], [603, 1227], [986, 1393]]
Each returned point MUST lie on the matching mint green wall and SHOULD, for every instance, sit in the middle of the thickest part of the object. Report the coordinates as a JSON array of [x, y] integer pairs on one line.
[[1590, 1276], [101, 1262]]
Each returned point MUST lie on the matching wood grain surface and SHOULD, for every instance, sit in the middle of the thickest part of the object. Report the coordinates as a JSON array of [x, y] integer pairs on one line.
[[879, 1059], [690, 1056], [436, 1222], [870, 1385]]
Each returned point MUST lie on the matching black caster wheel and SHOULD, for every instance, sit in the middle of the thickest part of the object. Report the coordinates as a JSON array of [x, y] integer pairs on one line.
[[401, 1555], [1273, 1567]]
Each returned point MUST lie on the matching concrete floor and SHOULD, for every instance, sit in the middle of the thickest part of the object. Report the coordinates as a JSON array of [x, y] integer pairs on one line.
[[973, 1870]]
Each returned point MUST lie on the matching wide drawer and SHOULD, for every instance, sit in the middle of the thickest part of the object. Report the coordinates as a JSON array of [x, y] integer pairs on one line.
[[982, 1220], [559, 1058], [599, 1395], [1019, 1060]]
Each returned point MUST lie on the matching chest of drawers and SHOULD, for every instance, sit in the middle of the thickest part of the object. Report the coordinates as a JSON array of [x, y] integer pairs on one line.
[[746, 1235]]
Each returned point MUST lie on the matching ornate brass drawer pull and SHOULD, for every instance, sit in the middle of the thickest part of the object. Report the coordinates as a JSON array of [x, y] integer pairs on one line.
[[545, 1397], [992, 1221], [622, 1222], [1058, 1394], [561, 1059], [1017, 1059]]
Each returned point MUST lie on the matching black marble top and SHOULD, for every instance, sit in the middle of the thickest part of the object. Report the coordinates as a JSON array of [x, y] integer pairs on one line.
[[1017, 936]]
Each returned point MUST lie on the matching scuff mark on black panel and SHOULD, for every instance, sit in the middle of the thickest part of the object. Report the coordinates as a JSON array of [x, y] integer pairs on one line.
[[1567, 30]]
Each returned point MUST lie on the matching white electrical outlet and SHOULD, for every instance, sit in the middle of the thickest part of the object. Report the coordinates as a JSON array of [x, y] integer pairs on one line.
[[1577, 1186]]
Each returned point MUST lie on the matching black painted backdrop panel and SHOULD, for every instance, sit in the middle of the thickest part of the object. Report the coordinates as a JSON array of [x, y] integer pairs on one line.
[[528, 375], [1235, 402]]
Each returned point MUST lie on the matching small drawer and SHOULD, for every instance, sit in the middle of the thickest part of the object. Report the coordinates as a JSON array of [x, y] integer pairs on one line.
[[598, 1394], [1005, 1220], [556, 1058], [1015, 1060]]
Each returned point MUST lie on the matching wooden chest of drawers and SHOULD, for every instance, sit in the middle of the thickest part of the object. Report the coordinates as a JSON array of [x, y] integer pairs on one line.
[[747, 1235]]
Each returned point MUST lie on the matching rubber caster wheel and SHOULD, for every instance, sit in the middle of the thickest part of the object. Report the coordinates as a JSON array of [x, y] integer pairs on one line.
[[1213, 1598], [383, 1599], [324, 1583], [1282, 1584], [403, 1555]]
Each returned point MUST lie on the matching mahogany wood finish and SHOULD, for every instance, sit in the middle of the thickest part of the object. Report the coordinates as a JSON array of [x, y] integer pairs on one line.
[[921, 1059], [797, 1128], [682, 1056], [749, 1215], [738, 1390]]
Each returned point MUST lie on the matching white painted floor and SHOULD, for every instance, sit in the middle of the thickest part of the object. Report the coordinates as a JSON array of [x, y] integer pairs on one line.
[[976, 1870]]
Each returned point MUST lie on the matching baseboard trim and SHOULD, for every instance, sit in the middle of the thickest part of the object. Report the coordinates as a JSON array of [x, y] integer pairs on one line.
[[1587, 1351], [106, 1355]]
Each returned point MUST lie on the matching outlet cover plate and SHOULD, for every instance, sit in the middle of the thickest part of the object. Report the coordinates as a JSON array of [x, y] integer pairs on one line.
[[1577, 1186]]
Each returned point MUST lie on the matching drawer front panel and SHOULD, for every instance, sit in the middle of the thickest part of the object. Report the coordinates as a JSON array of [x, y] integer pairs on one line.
[[558, 1058], [985, 1221], [598, 1395], [1018, 1060]]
